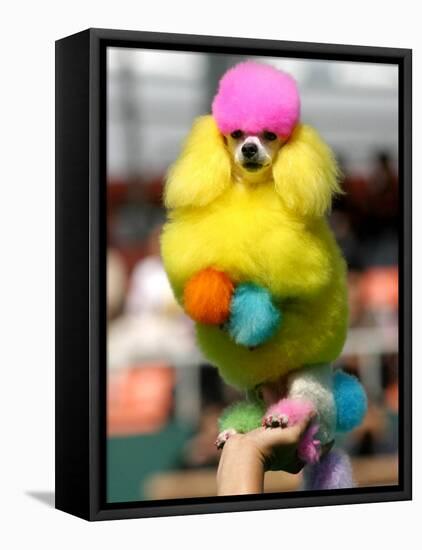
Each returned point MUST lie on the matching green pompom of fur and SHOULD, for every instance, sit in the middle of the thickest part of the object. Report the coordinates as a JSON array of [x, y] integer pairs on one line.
[[243, 416]]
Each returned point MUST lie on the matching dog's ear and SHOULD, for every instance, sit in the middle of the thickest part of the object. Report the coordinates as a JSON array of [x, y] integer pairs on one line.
[[306, 173], [203, 169]]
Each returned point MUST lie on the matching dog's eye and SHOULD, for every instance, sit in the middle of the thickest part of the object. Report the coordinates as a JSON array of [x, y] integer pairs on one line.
[[237, 134], [269, 136]]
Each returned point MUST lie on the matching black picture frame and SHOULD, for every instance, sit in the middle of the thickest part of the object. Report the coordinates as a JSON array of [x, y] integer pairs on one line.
[[81, 279]]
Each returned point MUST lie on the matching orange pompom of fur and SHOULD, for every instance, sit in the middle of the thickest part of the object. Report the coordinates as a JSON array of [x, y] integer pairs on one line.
[[207, 297]]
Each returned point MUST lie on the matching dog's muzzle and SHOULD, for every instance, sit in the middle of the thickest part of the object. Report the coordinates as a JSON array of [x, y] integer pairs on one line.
[[252, 166]]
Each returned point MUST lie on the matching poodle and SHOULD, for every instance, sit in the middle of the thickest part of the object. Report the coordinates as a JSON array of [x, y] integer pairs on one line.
[[252, 260]]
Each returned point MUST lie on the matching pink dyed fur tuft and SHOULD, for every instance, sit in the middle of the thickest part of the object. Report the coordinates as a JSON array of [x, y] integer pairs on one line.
[[295, 409], [253, 97], [309, 449]]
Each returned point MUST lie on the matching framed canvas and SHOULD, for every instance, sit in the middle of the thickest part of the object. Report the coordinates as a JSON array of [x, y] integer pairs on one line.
[[233, 274]]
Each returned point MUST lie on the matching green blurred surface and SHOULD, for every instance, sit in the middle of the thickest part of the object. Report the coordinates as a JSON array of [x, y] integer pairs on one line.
[[131, 460]]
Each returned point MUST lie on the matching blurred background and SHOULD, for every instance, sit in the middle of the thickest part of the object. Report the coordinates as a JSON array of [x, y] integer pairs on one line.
[[163, 398]]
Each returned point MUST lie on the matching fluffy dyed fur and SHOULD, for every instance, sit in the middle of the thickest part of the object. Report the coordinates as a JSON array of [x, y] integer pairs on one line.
[[293, 409], [258, 234], [243, 416], [309, 448], [203, 171], [307, 191], [256, 97], [351, 401], [253, 317], [334, 471], [207, 297], [315, 384]]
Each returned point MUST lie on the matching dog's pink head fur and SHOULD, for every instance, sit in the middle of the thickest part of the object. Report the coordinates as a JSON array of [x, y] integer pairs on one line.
[[253, 97]]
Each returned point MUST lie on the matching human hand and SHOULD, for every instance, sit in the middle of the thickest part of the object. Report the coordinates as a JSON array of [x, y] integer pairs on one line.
[[246, 457]]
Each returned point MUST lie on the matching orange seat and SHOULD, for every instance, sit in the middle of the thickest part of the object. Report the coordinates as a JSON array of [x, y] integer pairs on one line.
[[380, 287]]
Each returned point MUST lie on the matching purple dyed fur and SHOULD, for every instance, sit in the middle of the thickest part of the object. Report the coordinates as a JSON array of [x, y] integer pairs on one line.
[[334, 471]]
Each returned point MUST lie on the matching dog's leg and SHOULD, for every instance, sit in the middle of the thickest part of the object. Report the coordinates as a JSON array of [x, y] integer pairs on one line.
[[288, 412], [333, 471]]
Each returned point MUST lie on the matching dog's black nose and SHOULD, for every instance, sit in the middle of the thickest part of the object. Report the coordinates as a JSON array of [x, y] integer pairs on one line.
[[249, 150]]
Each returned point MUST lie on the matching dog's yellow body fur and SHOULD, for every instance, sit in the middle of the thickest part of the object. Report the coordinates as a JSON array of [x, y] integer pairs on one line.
[[272, 233]]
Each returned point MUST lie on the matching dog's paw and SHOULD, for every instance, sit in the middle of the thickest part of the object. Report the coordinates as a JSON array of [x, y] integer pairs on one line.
[[294, 410], [253, 317], [223, 437], [275, 421]]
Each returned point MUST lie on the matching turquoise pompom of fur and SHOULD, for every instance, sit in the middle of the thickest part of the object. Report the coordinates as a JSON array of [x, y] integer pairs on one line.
[[253, 317], [351, 401]]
